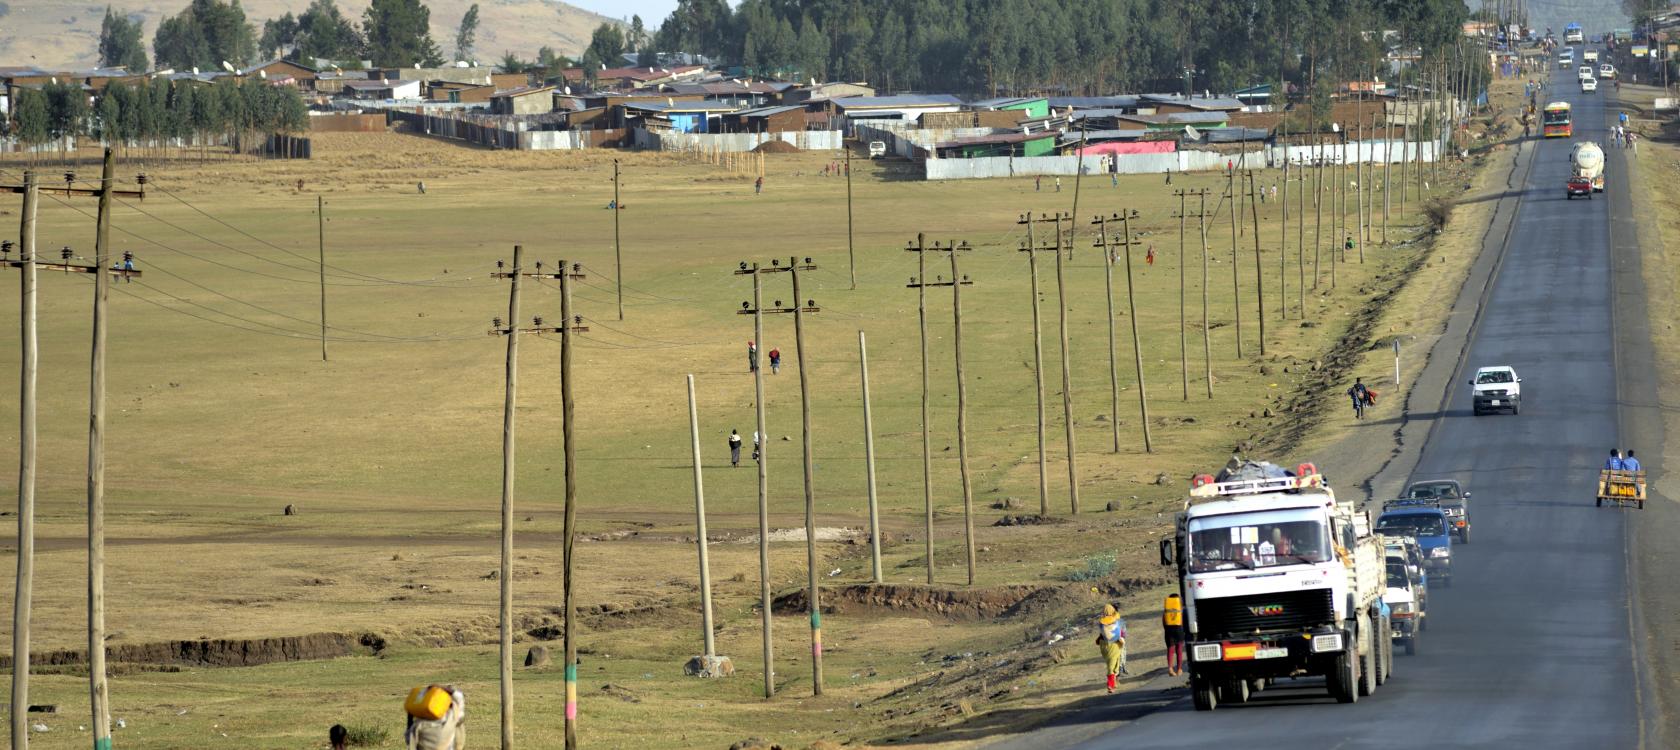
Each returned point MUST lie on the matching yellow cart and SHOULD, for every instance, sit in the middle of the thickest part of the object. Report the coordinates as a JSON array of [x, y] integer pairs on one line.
[[1621, 487]]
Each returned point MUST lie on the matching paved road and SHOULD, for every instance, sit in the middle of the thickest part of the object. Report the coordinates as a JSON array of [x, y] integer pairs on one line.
[[1531, 647]]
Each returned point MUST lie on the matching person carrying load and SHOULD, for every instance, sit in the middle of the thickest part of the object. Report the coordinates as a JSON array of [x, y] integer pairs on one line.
[[437, 717]]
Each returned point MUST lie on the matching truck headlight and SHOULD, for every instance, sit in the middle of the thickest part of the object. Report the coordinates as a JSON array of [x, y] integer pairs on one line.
[[1207, 652], [1326, 643], [1440, 552], [1401, 608]]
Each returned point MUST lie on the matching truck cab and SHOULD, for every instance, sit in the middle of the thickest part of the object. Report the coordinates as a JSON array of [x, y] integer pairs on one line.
[[1424, 521], [1279, 580]]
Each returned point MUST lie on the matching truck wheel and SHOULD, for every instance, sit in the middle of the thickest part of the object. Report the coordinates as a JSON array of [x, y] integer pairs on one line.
[[1234, 692], [1464, 537], [1388, 654], [1516, 408], [1202, 693], [1411, 646], [1368, 664], [1599, 502], [1382, 655], [1343, 680], [1256, 685]]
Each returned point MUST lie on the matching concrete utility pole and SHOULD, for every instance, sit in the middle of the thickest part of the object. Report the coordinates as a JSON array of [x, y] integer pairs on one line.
[[569, 328], [1032, 250], [1067, 371], [27, 375], [700, 529], [921, 250], [1259, 274], [618, 249], [851, 250], [956, 282], [1126, 241], [1236, 281], [321, 231], [101, 269], [761, 452], [869, 461]]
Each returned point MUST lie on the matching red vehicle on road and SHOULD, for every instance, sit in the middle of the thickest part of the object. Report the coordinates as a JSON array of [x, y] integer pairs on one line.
[[1580, 186]]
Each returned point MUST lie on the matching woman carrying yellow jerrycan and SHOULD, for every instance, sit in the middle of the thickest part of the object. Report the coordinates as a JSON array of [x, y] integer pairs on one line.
[[1111, 641], [437, 717]]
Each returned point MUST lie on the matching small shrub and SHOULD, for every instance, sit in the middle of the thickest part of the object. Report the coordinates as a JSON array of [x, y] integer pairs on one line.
[[1438, 211], [365, 736], [1096, 567]]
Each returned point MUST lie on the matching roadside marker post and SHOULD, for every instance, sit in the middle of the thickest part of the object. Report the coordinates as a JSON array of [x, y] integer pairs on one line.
[[1397, 363]]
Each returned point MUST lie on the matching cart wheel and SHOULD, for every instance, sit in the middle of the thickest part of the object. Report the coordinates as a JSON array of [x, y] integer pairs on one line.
[[1642, 503], [1600, 502]]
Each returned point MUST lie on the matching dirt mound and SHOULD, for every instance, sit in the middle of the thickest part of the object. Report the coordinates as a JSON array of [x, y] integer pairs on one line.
[[953, 604], [223, 652], [776, 147], [1029, 520]]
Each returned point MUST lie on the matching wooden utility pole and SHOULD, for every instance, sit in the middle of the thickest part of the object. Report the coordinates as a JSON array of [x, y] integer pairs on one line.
[[1207, 330], [1067, 372], [101, 269], [700, 527], [321, 244], [1371, 195], [1301, 236], [814, 593], [921, 250], [1359, 186], [509, 402], [1236, 281], [1318, 217], [569, 328], [28, 372], [1388, 170], [1259, 273], [1113, 360], [1078, 173], [1406, 129], [1032, 250], [869, 462], [1183, 338], [851, 251], [1283, 244], [921, 284], [1126, 241], [99, 690], [618, 249], [761, 451]]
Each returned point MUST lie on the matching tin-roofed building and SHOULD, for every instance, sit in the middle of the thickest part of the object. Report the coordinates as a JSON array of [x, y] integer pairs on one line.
[[901, 107]]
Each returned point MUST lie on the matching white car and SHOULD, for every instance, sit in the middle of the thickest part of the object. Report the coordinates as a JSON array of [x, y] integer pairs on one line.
[[1607, 71], [1496, 388], [1584, 72], [1589, 85]]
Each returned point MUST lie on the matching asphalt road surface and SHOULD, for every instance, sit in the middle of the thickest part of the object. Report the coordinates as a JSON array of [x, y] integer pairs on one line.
[[1531, 646]]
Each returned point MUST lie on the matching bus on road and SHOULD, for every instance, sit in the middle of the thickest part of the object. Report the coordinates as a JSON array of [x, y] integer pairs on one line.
[[1572, 34], [1554, 121]]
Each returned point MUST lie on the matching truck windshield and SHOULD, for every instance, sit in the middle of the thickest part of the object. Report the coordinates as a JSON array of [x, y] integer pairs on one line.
[[1257, 540], [1417, 524], [1397, 578]]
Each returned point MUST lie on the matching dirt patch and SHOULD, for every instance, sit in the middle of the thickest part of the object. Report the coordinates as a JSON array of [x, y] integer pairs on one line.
[[776, 147], [1029, 520], [824, 534], [223, 652], [950, 604]]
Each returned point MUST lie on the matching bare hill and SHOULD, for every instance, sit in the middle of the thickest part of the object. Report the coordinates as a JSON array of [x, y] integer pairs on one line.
[[65, 33]]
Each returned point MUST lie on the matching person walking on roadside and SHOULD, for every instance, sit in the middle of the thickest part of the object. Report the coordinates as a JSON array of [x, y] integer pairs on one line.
[[1038, 184], [1111, 642], [752, 357], [1361, 395], [1630, 463], [775, 361], [734, 448], [1058, 184], [445, 731], [1172, 631], [758, 186], [755, 445], [1614, 462]]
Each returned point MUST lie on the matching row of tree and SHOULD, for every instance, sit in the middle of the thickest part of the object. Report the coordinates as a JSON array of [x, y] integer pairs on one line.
[[1075, 46], [208, 33], [157, 113]]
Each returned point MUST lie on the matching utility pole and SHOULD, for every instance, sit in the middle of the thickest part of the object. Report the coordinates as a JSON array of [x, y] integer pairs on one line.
[[101, 269], [1236, 282], [1301, 234], [28, 372], [1201, 223], [1388, 169], [569, 328], [761, 450], [1113, 360], [1032, 250], [1283, 245], [1318, 215], [1126, 241], [1078, 173], [1259, 274], [851, 251], [1067, 367], [321, 230], [1406, 130], [1371, 195], [618, 249], [921, 250], [1183, 339], [957, 282], [700, 529], [869, 461]]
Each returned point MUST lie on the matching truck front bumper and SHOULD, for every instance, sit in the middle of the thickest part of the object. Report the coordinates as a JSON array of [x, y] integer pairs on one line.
[[1276, 655]]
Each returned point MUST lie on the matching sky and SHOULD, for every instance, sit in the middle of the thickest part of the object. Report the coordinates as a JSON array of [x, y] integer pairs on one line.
[[651, 11]]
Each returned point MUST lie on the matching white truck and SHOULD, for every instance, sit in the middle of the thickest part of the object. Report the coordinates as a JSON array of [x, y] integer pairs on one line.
[[1279, 580], [1590, 56], [1587, 162]]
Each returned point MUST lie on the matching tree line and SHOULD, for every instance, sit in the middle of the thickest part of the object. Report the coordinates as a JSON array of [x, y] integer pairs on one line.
[[156, 113], [1056, 46]]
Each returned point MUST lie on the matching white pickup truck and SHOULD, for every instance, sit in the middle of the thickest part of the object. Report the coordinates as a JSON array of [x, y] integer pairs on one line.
[[1279, 580], [1496, 388]]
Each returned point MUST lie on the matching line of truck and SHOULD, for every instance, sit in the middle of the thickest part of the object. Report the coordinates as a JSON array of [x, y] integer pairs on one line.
[[1280, 579]]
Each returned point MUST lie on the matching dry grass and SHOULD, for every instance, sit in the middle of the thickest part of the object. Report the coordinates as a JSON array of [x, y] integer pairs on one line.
[[391, 449]]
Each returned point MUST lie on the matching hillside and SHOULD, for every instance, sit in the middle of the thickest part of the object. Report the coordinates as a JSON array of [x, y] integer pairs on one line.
[[65, 33]]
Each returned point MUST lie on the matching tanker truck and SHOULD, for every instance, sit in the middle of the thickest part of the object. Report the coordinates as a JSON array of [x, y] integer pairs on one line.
[[1587, 160], [1279, 580]]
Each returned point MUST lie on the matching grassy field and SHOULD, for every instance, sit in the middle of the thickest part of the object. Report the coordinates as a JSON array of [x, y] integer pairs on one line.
[[222, 413]]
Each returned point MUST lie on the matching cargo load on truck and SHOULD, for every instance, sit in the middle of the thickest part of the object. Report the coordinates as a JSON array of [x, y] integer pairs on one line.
[[1587, 162], [1318, 608]]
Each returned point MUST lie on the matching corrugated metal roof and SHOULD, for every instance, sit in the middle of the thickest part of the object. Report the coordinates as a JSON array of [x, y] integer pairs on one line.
[[680, 106], [1005, 101], [768, 111], [1094, 136], [1195, 102], [1126, 101], [1234, 135], [994, 140], [901, 100]]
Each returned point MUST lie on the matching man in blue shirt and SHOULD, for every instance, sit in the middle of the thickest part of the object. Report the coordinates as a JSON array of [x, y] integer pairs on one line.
[[1630, 463], [1614, 462]]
